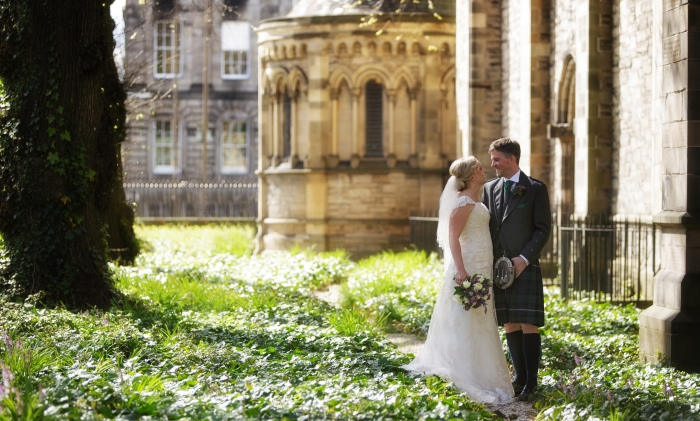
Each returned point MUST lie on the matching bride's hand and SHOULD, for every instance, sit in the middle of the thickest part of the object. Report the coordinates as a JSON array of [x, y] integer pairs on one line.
[[461, 276]]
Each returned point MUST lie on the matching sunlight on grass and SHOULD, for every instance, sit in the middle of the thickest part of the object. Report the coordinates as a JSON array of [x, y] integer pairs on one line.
[[397, 287], [234, 239]]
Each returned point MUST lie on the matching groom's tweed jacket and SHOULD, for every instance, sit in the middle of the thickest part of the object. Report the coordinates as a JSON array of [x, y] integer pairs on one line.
[[520, 227]]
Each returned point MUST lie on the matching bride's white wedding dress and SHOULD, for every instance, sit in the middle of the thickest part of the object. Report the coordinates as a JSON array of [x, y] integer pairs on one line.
[[464, 347]]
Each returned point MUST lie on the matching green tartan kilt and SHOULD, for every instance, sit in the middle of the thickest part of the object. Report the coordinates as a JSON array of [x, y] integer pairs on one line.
[[522, 302]]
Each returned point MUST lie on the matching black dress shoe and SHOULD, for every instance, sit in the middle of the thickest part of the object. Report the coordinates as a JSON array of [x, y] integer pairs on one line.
[[517, 388], [527, 393]]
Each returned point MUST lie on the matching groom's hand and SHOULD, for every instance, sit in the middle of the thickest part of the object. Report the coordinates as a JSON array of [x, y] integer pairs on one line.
[[519, 264]]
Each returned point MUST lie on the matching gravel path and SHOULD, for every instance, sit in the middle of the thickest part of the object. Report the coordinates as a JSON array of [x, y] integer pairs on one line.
[[411, 344]]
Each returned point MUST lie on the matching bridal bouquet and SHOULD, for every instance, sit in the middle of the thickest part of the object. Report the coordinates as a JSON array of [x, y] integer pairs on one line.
[[474, 292]]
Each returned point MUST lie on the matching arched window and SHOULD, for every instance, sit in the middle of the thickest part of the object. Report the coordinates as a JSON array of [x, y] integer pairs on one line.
[[374, 119], [567, 143], [287, 125], [567, 92]]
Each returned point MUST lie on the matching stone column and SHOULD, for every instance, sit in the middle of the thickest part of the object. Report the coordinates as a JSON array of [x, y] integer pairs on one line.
[[294, 152], [263, 124], [413, 158], [391, 155], [355, 159], [270, 129], [671, 327], [484, 91], [318, 100], [333, 158], [540, 34], [276, 129], [593, 123]]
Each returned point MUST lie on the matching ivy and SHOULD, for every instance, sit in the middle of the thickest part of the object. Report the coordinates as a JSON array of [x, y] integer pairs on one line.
[[47, 188]]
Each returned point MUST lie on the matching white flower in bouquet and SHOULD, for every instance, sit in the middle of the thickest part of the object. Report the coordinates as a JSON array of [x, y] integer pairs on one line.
[[457, 299], [466, 284], [478, 278], [478, 286]]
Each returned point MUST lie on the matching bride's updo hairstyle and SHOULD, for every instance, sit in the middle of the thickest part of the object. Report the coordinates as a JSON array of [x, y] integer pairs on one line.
[[463, 169]]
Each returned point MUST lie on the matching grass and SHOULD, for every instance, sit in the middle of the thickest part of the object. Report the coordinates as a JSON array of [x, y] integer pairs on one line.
[[209, 334], [213, 238], [590, 365], [399, 288], [208, 331]]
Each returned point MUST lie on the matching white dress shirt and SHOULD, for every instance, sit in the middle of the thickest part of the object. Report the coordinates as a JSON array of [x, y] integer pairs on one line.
[[516, 179]]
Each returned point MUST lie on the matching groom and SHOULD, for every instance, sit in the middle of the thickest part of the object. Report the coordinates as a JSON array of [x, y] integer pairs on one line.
[[520, 226]]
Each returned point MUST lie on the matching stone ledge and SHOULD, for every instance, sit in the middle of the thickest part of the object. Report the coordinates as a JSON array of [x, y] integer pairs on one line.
[[673, 219], [669, 321]]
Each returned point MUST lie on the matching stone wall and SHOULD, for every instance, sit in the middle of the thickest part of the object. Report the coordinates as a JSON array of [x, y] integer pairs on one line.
[[286, 195], [373, 195], [485, 86], [563, 53], [634, 120], [517, 47]]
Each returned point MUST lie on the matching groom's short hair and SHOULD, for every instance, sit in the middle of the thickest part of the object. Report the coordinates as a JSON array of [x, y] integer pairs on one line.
[[507, 147]]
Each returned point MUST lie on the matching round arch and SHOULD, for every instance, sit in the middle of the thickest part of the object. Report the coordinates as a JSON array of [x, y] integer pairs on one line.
[[371, 71]]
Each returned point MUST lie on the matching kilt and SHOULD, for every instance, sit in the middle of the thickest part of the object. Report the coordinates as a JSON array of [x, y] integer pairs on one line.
[[522, 302]]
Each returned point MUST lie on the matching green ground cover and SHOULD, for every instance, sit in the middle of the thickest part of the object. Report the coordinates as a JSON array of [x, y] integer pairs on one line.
[[590, 365], [207, 331]]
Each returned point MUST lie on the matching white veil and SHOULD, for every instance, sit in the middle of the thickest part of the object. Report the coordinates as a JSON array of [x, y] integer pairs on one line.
[[447, 202]]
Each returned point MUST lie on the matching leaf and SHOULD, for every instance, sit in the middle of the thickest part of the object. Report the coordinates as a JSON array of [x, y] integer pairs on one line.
[[53, 158], [51, 119], [90, 174], [59, 110], [65, 199], [65, 136], [51, 131]]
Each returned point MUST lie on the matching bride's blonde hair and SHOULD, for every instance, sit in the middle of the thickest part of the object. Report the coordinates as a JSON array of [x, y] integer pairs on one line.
[[463, 169]]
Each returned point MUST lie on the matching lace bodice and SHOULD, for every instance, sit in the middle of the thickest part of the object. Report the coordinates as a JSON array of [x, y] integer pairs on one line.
[[475, 239]]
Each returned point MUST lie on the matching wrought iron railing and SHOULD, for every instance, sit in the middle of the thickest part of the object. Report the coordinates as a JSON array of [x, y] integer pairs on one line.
[[609, 258], [192, 200], [597, 257], [424, 231]]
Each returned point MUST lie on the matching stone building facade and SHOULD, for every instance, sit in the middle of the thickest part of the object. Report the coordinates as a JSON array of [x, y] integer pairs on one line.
[[358, 123], [602, 95], [165, 71]]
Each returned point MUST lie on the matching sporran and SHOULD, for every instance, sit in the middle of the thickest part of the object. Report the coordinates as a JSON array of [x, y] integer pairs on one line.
[[503, 272]]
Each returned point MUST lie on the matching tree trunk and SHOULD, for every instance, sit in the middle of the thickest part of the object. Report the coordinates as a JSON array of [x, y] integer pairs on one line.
[[121, 240], [58, 148]]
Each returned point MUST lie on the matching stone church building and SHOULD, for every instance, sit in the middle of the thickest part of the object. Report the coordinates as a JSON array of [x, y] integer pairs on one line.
[[357, 122], [604, 97]]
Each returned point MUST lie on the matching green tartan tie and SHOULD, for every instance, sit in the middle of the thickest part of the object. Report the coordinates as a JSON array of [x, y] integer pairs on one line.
[[506, 191]]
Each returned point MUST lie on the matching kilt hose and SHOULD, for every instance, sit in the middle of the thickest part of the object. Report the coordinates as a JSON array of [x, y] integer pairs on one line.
[[522, 302]]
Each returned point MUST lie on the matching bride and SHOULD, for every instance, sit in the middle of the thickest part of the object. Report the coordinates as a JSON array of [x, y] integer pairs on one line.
[[464, 347]]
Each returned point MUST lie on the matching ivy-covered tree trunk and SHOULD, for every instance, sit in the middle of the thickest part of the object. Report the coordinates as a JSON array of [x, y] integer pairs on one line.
[[58, 148], [121, 240]]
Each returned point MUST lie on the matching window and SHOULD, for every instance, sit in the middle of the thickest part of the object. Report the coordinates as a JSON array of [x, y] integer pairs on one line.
[[287, 126], [166, 152], [234, 147], [374, 120], [235, 48], [194, 133], [167, 49]]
